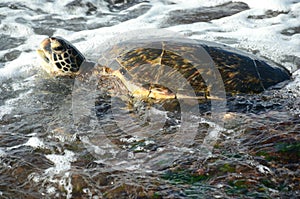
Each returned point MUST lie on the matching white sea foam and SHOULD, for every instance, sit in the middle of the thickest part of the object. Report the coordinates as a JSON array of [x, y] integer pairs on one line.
[[279, 5], [16, 67], [62, 163], [197, 3], [2, 152], [5, 109], [58, 6], [35, 142]]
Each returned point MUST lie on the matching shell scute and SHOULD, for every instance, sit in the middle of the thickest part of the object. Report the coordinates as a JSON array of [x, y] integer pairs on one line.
[[155, 64]]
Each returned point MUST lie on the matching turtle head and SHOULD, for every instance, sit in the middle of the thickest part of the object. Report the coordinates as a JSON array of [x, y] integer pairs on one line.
[[60, 57]]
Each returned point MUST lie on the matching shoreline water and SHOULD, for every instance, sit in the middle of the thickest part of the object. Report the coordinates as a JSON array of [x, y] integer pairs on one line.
[[43, 155]]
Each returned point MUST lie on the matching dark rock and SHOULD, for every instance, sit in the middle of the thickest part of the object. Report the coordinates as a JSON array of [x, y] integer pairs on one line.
[[291, 31], [117, 5], [90, 7], [203, 14], [8, 42], [267, 14], [14, 54]]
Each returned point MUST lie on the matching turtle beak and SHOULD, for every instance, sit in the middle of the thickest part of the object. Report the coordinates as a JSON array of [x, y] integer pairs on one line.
[[45, 50], [42, 55], [45, 42]]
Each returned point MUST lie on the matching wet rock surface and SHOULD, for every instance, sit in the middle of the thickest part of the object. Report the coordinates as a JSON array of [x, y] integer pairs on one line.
[[203, 14]]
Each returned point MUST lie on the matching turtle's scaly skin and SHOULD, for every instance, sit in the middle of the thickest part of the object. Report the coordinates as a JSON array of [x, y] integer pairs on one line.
[[162, 69]]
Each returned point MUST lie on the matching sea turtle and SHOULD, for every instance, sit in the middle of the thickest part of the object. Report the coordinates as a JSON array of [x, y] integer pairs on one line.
[[141, 67]]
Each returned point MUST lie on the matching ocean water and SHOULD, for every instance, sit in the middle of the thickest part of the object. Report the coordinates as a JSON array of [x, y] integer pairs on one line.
[[58, 140]]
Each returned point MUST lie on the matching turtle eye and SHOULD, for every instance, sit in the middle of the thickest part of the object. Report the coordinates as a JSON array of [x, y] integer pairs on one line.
[[58, 48]]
